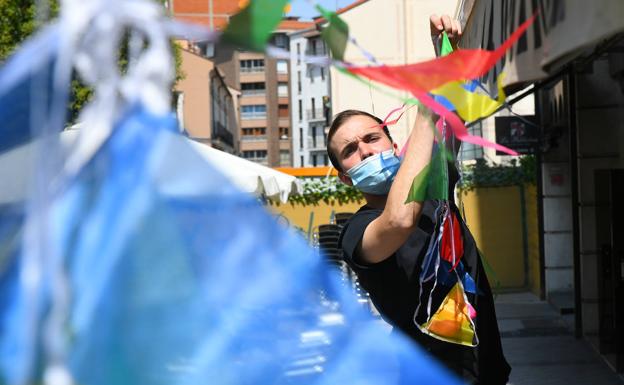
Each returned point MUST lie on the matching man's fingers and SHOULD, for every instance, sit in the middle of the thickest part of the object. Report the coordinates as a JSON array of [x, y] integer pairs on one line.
[[447, 23], [454, 29], [435, 23], [458, 26]]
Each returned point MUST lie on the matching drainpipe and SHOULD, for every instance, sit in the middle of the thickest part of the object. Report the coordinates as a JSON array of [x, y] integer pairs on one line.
[[576, 255]]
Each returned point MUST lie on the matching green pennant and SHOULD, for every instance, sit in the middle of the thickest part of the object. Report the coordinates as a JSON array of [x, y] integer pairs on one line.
[[251, 28], [336, 34], [432, 181], [446, 45]]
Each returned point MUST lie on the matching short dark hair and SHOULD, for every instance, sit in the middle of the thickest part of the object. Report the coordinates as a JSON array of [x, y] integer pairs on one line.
[[341, 119]]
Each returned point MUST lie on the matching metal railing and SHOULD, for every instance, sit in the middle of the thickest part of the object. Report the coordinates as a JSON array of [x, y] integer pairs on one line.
[[319, 144], [251, 70], [253, 115], [316, 114], [219, 131], [253, 138], [253, 92]]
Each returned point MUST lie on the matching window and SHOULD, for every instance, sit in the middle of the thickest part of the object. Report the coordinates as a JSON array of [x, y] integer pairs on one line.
[[311, 73], [313, 46], [314, 163], [301, 160], [300, 138], [323, 73], [298, 53], [255, 155], [314, 137], [300, 110], [469, 151], [283, 132], [284, 158], [299, 81], [282, 67], [252, 65], [326, 160], [282, 111], [280, 40], [250, 89], [254, 131], [282, 89], [257, 111], [313, 109]]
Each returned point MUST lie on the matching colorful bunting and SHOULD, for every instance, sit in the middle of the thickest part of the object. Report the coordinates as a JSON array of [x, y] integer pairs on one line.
[[251, 28], [432, 181], [452, 322], [336, 34], [463, 64]]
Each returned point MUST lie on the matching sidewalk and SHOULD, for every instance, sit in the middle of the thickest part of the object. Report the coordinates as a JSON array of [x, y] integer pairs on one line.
[[541, 349]]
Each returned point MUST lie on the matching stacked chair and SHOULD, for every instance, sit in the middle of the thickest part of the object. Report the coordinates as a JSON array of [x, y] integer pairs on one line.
[[326, 238]]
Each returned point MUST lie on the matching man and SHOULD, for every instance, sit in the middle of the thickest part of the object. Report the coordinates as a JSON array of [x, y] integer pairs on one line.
[[386, 240]]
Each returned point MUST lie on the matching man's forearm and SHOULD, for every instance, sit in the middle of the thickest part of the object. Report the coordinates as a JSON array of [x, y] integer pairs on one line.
[[417, 157]]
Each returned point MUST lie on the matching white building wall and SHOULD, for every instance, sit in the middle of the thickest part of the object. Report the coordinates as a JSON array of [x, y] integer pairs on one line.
[[395, 32]]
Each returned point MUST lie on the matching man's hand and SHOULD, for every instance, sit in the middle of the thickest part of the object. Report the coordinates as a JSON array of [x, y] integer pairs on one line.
[[444, 23]]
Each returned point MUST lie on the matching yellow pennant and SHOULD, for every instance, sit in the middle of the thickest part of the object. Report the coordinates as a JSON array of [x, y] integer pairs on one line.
[[471, 106], [452, 321]]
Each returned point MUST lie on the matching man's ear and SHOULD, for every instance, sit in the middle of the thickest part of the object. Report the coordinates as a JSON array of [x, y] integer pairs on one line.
[[345, 179]]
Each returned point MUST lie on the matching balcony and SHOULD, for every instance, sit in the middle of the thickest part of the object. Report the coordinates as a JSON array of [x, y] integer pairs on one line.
[[253, 138], [220, 132], [247, 93], [253, 115], [319, 144], [245, 70], [320, 51], [315, 114]]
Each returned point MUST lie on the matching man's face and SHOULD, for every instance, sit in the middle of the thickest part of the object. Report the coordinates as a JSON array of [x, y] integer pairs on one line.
[[357, 139]]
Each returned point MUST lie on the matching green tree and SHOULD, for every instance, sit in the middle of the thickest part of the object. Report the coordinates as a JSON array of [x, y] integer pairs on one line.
[[18, 20]]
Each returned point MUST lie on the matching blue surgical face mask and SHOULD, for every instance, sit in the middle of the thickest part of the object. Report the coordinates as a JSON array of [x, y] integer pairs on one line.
[[374, 175]]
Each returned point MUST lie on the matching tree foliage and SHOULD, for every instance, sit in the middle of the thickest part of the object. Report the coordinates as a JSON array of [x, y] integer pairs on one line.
[[19, 20]]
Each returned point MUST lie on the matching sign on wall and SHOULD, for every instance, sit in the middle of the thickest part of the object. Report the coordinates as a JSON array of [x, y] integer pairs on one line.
[[518, 133]]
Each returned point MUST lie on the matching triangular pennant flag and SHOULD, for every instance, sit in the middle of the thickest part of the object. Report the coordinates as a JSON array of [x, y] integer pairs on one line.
[[432, 181], [252, 27], [452, 321], [336, 34], [452, 247], [469, 105], [447, 47]]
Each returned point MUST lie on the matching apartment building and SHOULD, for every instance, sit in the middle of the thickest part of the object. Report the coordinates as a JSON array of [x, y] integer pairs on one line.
[[205, 106], [309, 97], [263, 81]]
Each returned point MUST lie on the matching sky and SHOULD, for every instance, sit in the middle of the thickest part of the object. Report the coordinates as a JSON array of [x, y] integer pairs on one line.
[[304, 9]]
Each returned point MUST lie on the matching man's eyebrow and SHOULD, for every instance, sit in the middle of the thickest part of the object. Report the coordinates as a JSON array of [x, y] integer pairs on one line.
[[349, 144]]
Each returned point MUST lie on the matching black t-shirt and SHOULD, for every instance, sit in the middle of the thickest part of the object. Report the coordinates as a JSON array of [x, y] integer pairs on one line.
[[393, 286]]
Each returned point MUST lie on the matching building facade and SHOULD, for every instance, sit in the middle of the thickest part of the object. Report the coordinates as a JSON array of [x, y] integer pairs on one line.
[[572, 55], [205, 106], [309, 98], [264, 82]]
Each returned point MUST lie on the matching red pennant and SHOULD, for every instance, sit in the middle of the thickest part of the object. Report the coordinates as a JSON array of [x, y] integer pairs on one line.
[[452, 247], [462, 64]]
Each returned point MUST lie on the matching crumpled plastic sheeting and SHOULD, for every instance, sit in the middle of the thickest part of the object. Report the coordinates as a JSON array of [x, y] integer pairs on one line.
[[175, 277]]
